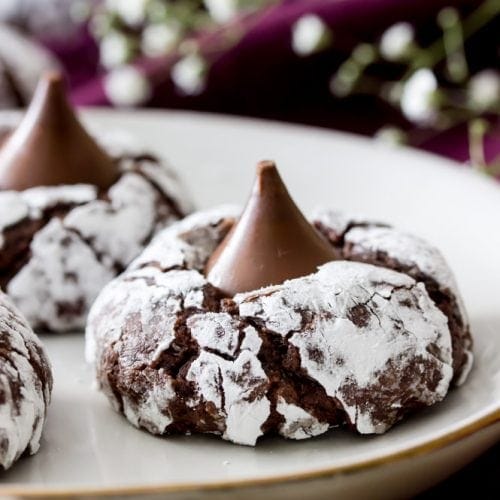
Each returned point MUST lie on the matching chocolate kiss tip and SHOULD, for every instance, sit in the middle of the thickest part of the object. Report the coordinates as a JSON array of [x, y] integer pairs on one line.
[[266, 165], [53, 76], [50, 147], [53, 79], [271, 242]]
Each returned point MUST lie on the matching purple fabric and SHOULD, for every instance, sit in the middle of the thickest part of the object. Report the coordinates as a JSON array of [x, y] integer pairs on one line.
[[79, 55], [261, 76], [454, 145]]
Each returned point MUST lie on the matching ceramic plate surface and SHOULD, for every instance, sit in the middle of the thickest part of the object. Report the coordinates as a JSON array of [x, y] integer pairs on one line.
[[88, 448]]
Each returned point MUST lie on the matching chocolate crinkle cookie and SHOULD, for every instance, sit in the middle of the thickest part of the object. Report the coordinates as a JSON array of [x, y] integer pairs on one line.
[[75, 209], [360, 344], [59, 245], [25, 385]]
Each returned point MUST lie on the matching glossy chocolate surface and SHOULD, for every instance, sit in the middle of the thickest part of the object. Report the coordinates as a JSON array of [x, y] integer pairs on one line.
[[50, 147], [271, 242]]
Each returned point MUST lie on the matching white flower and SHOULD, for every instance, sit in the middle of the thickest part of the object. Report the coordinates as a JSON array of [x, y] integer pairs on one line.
[[80, 11], [113, 50], [188, 74], [221, 10], [132, 12], [99, 24], [484, 89], [158, 39], [396, 41], [308, 33], [390, 135], [126, 86], [417, 99]]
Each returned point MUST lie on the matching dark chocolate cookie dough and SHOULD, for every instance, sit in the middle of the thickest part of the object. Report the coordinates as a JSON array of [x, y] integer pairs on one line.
[[352, 344]]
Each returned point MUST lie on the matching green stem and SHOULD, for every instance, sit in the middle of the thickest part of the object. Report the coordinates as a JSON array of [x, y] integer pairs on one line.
[[453, 41], [477, 129], [436, 52]]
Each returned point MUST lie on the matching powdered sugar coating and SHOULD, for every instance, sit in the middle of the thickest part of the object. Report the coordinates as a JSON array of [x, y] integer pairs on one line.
[[410, 250], [149, 295], [216, 331], [189, 242], [364, 236], [167, 181], [40, 199], [237, 390], [368, 241], [336, 221], [367, 340], [119, 226], [152, 416], [25, 385], [77, 239], [63, 274], [298, 423], [225, 382], [364, 324], [12, 210]]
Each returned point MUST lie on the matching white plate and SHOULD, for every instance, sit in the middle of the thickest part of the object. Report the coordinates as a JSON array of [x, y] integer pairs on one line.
[[87, 448]]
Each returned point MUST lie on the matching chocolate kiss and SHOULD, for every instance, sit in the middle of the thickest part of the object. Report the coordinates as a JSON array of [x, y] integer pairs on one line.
[[50, 147], [271, 242]]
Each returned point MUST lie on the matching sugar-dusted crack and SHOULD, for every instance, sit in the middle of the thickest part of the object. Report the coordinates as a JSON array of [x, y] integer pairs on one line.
[[164, 197], [15, 387], [282, 364]]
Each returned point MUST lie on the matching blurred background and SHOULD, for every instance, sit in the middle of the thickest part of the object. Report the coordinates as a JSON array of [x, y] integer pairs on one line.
[[421, 72]]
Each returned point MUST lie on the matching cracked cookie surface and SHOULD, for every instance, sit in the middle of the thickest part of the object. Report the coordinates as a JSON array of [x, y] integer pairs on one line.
[[60, 245], [353, 344], [25, 385], [385, 246]]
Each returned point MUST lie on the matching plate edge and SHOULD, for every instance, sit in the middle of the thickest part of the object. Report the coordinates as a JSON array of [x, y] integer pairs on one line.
[[422, 449]]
